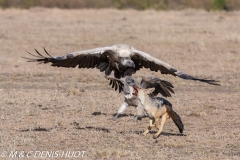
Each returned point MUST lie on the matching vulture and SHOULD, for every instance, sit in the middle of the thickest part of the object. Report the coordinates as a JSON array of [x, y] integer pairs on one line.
[[122, 59], [126, 87]]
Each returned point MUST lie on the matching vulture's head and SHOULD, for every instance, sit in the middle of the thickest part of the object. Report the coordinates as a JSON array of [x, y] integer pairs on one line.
[[127, 62], [129, 80], [132, 84]]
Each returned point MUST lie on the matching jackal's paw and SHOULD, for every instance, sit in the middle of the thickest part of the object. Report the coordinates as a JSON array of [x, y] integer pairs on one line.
[[155, 136]]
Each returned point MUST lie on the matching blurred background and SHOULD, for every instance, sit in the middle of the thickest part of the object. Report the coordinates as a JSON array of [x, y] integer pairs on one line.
[[227, 5]]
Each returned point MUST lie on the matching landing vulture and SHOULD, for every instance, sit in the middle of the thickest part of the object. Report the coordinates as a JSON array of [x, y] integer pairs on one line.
[[123, 59], [125, 85]]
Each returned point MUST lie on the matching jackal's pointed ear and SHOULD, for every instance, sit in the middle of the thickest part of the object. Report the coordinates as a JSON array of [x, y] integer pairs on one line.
[[150, 90]]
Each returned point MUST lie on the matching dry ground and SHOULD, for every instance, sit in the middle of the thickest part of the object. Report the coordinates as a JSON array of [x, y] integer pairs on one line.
[[57, 109]]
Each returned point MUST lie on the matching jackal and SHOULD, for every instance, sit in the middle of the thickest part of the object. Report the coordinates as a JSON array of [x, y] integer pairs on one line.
[[157, 107]]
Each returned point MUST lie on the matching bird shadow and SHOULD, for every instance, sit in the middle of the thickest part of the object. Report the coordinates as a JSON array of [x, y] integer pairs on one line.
[[120, 116], [94, 128], [127, 115], [98, 113], [153, 132], [123, 115], [168, 134], [37, 129], [172, 134]]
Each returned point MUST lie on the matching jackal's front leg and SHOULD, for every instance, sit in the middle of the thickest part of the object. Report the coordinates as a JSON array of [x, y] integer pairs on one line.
[[149, 127], [165, 116]]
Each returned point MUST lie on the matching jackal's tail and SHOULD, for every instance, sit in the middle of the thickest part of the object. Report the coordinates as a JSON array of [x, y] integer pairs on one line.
[[177, 120]]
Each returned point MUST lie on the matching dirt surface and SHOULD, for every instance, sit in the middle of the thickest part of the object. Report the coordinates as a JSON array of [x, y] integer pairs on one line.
[[44, 108]]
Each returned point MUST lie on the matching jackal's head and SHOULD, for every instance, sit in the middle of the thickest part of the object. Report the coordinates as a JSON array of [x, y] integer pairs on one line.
[[142, 93]]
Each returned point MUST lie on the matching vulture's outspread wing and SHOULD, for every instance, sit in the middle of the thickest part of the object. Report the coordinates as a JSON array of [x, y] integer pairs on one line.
[[97, 57], [161, 86], [124, 59], [117, 84], [142, 59]]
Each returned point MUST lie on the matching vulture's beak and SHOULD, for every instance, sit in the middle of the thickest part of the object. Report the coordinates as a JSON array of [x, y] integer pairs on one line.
[[131, 63]]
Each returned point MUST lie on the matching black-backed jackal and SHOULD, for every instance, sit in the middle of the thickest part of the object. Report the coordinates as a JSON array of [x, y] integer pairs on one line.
[[156, 108]]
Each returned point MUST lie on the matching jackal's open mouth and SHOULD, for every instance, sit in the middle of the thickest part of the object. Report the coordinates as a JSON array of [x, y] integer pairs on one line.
[[135, 90]]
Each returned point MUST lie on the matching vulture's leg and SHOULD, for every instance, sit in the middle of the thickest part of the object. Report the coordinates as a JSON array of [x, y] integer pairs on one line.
[[122, 108], [135, 118], [140, 112]]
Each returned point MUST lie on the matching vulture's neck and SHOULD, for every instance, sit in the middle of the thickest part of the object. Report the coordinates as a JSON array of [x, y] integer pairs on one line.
[[124, 53]]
